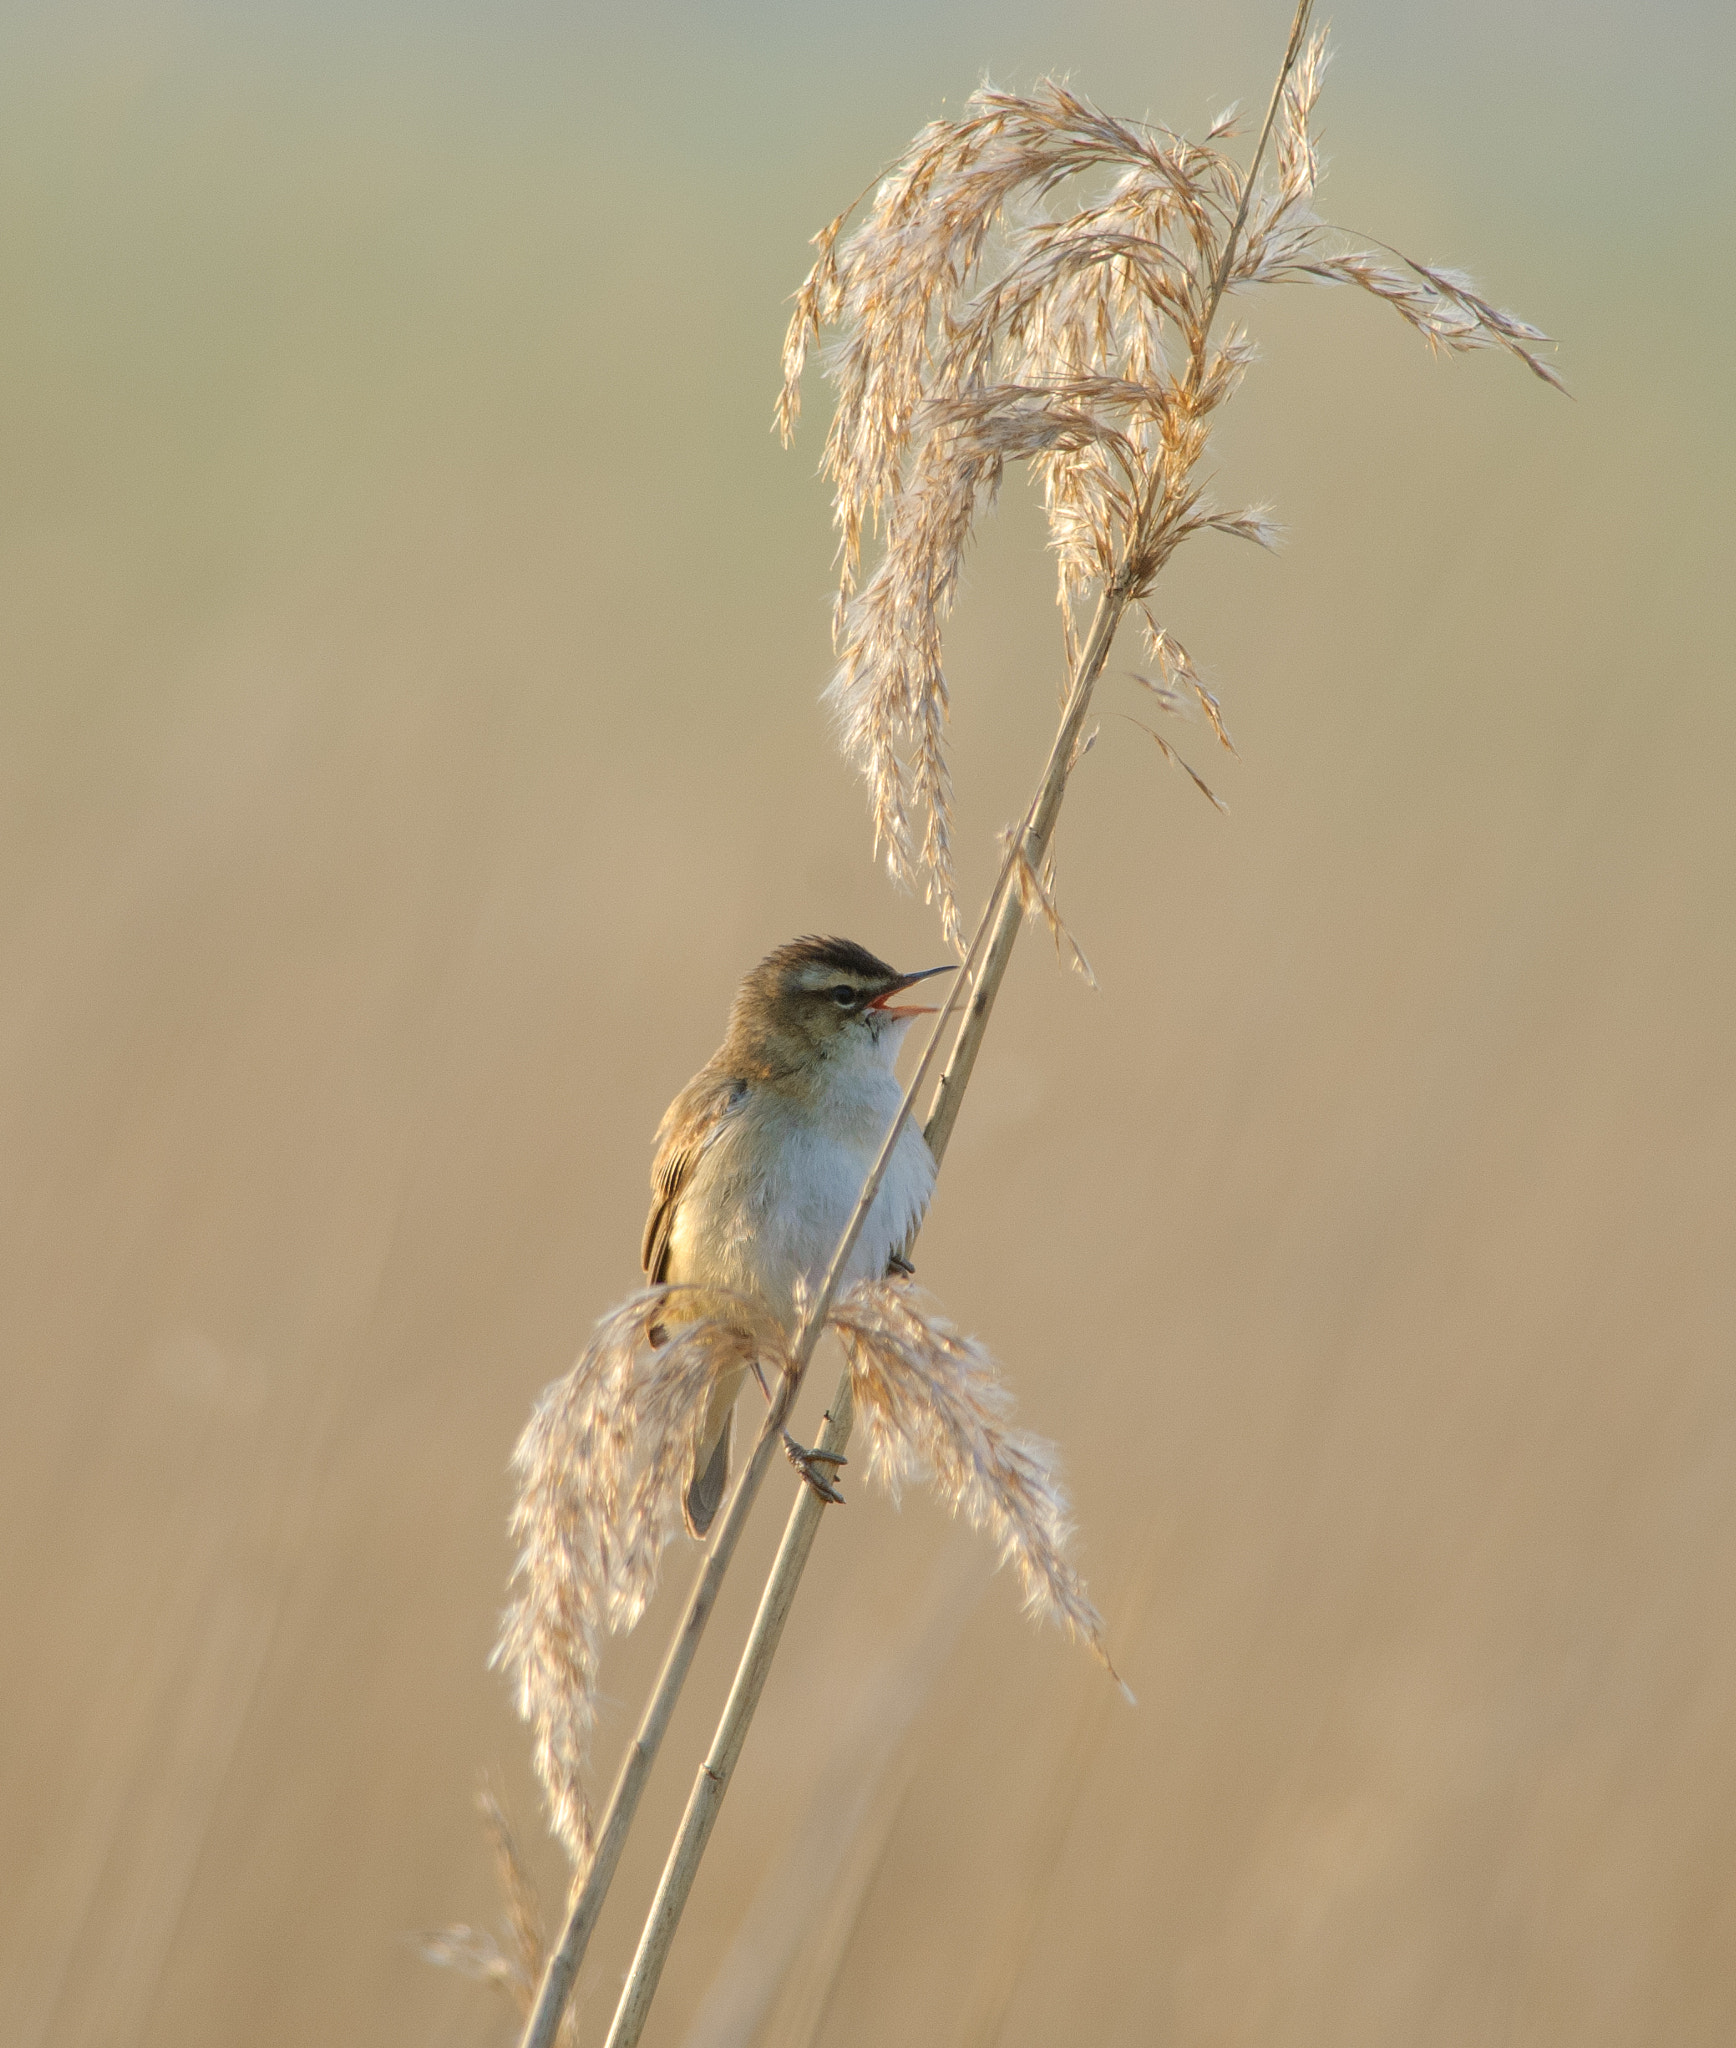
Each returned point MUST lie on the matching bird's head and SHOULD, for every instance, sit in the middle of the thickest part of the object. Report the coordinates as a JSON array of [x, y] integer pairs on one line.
[[820, 999]]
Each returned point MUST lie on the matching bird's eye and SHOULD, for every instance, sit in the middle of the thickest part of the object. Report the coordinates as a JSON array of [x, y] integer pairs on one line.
[[844, 995]]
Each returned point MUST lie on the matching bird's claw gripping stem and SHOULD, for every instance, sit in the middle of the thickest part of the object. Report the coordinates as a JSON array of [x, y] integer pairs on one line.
[[806, 1461]]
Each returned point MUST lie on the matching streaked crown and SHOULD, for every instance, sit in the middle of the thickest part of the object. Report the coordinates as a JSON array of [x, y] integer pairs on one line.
[[813, 997]]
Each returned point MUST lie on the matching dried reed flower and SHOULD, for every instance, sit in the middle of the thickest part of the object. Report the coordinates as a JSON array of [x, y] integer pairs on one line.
[[475, 1953], [1037, 898], [513, 1960], [1181, 683], [601, 1465], [934, 1404], [524, 1921], [1036, 281]]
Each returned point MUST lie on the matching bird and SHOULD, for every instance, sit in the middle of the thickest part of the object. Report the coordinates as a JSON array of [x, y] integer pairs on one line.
[[761, 1158]]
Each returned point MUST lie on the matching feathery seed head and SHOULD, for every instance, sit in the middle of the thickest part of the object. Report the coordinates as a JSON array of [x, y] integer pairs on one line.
[[934, 1403], [603, 1461], [601, 1466], [1036, 282]]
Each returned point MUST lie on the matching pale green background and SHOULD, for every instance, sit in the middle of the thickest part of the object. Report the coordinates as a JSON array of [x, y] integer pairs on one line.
[[410, 637]]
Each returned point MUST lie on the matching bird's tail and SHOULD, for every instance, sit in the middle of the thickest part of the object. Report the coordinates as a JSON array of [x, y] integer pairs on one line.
[[709, 1478], [709, 1475]]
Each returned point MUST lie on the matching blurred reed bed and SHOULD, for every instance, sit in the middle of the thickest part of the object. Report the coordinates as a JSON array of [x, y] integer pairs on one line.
[[1035, 282]]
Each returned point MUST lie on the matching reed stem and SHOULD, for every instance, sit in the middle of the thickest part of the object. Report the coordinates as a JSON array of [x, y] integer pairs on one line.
[[1001, 920], [979, 983], [593, 1887]]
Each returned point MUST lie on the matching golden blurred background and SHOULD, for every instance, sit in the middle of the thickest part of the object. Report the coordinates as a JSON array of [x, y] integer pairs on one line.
[[409, 650]]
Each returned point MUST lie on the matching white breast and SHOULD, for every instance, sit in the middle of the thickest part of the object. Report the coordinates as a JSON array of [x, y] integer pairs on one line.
[[774, 1191]]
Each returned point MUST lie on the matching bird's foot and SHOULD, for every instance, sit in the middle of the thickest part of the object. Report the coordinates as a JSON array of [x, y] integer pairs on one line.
[[898, 1267], [805, 1463]]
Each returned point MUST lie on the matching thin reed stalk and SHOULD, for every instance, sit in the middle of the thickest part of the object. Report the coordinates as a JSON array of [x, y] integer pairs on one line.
[[984, 968], [999, 927], [978, 330], [803, 1526], [1028, 852], [592, 1885]]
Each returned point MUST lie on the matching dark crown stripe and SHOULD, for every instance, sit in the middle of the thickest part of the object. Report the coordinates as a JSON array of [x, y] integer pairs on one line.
[[841, 956]]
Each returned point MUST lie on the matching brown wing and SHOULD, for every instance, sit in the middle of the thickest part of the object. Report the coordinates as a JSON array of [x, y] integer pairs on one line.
[[688, 1126]]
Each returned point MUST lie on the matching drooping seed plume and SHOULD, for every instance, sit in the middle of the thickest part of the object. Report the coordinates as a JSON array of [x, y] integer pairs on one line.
[[601, 1466], [1037, 900], [512, 1960], [1036, 281], [934, 1404], [475, 1953], [1181, 687]]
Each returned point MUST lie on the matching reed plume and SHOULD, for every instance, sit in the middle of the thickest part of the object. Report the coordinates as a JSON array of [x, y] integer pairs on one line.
[[1036, 282], [512, 1960], [603, 1459], [934, 1405], [600, 1467]]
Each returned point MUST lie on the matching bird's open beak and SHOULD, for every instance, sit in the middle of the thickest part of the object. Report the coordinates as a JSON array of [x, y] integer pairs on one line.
[[885, 1006]]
